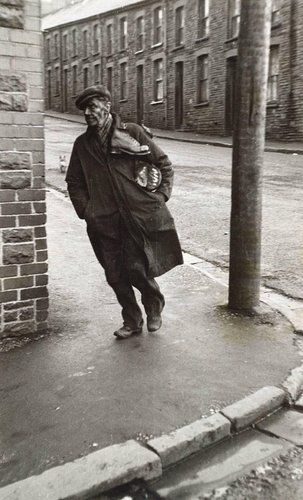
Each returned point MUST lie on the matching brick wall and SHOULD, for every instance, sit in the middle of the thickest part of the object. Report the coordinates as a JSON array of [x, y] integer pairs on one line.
[[284, 118], [23, 249]]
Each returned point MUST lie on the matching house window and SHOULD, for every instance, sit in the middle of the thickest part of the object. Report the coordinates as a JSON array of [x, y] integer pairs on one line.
[[74, 35], [275, 12], [158, 80], [109, 78], [65, 46], [123, 81], [109, 35], [202, 79], [97, 73], [158, 21], [57, 80], [203, 19], [48, 49], [233, 18], [56, 43], [74, 80], [85, 52], [96, 38], [273, 75], [123, 33], [140, 33], [179, 26], [85, 77]]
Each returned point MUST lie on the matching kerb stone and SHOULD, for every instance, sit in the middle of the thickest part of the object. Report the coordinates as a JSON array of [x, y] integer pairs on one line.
[[294, 383], [299, 403], [254, 407], [183, 442], [89, 475]]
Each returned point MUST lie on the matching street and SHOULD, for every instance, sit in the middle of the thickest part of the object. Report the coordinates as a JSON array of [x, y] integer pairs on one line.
[[201, 202]]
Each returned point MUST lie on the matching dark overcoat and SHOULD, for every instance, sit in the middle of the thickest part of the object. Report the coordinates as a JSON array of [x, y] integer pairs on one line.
[[145, 213]]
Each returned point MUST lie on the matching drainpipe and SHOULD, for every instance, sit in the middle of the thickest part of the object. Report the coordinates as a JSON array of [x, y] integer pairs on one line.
[[165, 49]]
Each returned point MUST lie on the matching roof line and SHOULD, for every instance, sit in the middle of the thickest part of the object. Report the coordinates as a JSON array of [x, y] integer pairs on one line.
[[97, 15]]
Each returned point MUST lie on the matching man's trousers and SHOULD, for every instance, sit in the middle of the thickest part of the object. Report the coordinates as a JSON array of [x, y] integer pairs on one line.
[[124, 263]]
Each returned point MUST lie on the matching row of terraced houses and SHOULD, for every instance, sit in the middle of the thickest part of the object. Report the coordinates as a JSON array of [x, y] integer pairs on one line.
[[172, 63]]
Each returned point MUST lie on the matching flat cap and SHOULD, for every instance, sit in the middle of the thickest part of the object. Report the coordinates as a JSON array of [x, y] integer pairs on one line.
[[94, 91]]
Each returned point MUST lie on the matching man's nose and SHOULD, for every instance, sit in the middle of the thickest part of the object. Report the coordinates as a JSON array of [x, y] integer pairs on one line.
[[87, 111]]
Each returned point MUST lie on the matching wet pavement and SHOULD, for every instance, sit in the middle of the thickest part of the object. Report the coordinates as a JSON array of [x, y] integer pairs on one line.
[[78, 389]]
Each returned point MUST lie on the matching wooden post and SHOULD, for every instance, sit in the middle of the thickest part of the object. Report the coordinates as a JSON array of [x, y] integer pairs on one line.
[[248, 152]]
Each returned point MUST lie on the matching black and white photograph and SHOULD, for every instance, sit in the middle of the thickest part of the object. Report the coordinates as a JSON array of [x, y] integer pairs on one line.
[[151, 249]]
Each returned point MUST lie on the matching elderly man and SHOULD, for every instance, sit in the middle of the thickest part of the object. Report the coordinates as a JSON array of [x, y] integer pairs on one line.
[[114, 185]]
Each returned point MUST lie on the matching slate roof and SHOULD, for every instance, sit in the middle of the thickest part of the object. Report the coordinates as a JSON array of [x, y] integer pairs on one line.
[[83, 10]]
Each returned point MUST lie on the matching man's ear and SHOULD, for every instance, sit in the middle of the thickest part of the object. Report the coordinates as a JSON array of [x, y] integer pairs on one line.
[[108, 105]]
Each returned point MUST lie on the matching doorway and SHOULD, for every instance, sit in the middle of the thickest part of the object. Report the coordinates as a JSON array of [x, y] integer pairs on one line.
[[65, 91], [230, 94], [49, 89], [140, 96], [179, 82]]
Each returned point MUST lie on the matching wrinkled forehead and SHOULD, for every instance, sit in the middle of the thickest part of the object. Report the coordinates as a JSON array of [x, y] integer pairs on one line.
[[96, 102]]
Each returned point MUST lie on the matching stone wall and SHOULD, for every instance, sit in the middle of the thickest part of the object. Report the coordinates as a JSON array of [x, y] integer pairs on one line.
[[23, 249]]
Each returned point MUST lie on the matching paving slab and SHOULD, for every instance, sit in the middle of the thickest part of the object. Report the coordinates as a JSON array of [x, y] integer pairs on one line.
[[285, 424], [218, 465]]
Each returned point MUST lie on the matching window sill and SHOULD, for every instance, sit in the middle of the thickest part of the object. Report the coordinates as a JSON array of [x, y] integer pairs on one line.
[[276, 25], [156, 45], [85, 58], [202, 39], [272, 104], [232, 39], [153, 103], [139, 52], [123, 100], [201, 104], [109, 55], [179, 47], [123, 50], [96, 53]]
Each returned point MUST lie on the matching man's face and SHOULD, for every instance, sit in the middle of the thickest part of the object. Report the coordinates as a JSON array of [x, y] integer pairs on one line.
[[96, 111]]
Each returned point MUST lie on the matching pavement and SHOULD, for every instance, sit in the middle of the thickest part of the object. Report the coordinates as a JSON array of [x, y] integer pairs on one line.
[[77, 390], [196, 138], [84, 413]]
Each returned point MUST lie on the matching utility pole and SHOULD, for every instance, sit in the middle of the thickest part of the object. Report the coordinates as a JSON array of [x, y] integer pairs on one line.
[[248, 152]]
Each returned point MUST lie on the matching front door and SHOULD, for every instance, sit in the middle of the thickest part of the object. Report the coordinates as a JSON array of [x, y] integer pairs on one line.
[[65, 91], [179, 80], [140, 97], [49, 88], [230, 94]]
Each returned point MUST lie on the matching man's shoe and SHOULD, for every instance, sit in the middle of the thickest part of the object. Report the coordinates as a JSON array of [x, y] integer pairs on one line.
[[126, 331], [122, 141], [154, 323]]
